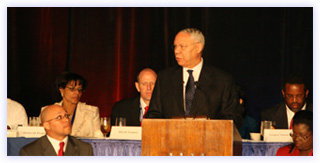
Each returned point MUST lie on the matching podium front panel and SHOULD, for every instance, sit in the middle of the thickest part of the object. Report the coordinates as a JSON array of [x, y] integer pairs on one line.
[[194, 137]]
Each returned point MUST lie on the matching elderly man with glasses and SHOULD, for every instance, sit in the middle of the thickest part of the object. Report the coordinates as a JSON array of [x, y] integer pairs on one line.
[[57, 141], [193, 87]]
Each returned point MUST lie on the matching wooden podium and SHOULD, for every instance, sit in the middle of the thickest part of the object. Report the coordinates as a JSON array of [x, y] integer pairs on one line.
[[190, 137]]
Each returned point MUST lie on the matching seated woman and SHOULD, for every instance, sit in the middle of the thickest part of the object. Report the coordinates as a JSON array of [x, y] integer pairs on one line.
[[249, 123], [302, 136], [84, 118]]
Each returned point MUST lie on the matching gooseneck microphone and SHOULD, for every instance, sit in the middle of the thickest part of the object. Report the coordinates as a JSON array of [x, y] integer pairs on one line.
[[196, 83]]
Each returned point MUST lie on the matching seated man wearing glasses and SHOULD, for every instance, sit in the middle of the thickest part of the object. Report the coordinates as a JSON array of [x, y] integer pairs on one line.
[[57, 141], [302, 135], [294, 92]]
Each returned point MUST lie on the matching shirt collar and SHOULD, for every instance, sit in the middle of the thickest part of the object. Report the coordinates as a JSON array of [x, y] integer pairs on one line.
[[56, 143], [195, 73], [142, 104], [290, 114]]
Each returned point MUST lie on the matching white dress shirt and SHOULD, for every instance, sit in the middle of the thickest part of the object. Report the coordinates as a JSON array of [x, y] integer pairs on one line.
[[142, 108], [56, 144], [290, 114]]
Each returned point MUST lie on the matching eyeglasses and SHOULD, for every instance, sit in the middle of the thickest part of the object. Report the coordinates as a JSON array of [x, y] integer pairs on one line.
[[182, 47], [60, 117], [290, 97], [73, 89], [300, 136]]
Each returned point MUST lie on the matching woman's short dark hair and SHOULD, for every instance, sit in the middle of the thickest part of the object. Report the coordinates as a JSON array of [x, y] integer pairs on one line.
[[304, 117], [63, 79]]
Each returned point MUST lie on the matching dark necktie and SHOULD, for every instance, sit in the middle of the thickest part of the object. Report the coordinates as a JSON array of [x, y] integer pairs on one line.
[[60, 152], [190, 90]]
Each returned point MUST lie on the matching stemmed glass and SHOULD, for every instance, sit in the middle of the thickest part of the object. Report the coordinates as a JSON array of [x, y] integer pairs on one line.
[[105, 125]]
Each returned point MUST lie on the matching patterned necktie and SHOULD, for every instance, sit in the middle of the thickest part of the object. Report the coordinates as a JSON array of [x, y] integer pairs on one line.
[[190, 90], [60, 153]]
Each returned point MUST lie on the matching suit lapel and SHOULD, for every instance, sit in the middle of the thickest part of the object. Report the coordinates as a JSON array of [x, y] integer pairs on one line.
[[71, 149], [47, 148], [200, 98], [178, 88], [282, 117], [135, 111], [309, 107], [80, 120]]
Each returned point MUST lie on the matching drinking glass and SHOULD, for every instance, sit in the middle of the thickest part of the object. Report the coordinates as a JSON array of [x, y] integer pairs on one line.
[[273, 125], [120, 121], [267, 125], [105, 125]]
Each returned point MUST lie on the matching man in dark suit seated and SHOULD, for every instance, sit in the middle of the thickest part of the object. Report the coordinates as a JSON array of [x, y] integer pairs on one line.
[[134, 109], [294, 92], [194, 88], [57, 141]]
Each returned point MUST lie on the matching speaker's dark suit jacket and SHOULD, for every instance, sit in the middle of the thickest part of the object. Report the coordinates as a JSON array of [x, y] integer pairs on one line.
[[215, 95], [278, 114], [128, 108], [43, 147]]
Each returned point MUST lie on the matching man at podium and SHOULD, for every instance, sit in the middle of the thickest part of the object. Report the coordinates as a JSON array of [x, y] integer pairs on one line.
[[193, 87]]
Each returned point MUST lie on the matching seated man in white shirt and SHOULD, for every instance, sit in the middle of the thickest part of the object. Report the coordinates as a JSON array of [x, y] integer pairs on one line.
[[134, 109], [295, 93], [16, 115], [57, 141]]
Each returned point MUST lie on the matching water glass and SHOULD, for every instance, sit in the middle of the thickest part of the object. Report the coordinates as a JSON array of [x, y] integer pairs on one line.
[[120, 121]]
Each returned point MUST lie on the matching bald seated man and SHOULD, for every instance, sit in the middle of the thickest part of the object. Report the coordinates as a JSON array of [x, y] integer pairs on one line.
[[134, 109], [57, 141]]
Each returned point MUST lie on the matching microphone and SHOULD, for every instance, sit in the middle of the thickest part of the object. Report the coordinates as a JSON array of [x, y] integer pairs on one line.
[[196, 83]]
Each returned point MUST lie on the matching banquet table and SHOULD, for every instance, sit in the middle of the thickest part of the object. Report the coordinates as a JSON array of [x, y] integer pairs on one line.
[[119, 147], [261, 148]]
